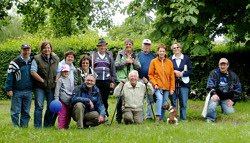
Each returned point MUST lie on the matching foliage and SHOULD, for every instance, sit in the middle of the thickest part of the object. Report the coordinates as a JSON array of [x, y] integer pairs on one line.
[[195, 23], [64, 17], [227, 128]]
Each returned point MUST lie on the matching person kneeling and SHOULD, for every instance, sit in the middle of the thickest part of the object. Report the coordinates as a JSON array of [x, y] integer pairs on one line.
[[133, 93], [88, 109]]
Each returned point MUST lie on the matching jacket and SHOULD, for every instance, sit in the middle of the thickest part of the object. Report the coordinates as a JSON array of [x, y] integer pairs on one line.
[[132, 97], [161, 73], [79, 75], [83, 94], [233, 85], [64, 89], [18, 75], [122, 67]]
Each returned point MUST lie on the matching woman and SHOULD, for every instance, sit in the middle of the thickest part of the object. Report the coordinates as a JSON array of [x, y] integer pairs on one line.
[[161, 75], [43, 69], [125, 62], [83, 70], [182, 70], [69, 58]]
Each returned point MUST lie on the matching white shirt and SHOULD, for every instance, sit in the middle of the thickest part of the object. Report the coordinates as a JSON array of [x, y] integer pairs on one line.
[[178, 61]]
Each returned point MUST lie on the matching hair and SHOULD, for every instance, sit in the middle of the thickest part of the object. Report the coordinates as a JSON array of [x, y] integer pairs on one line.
[[84, 57], [44, 44], [69, 52], [162, 46], [90, 75], [137, 74], [178, 44], [128, 40]]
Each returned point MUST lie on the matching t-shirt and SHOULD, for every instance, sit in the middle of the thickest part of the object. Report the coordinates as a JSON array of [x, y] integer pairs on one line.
[[145, 60]]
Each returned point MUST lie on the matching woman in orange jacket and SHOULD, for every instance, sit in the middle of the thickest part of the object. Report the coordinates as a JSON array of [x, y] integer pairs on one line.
[[161, 75]]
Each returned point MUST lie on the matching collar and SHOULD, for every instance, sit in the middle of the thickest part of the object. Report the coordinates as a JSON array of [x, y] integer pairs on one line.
[[181, 57], [131, 86], [24, 59]]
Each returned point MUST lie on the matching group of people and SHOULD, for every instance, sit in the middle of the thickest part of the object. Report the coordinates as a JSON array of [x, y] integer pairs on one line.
[[84, 91]]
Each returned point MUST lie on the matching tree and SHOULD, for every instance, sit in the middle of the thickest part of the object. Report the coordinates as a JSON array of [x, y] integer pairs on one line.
[[66, 17], [195, 23]]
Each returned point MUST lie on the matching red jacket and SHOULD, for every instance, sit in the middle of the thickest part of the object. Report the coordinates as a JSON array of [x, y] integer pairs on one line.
[[162, 73]]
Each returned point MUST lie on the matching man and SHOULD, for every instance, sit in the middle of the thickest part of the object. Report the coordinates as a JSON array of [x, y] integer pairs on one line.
[[132, 95], [88, 109], [18, 86], [104, 67], [145, 58], [225, 89]]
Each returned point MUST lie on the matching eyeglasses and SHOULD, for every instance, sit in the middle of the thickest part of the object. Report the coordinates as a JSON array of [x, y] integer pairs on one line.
[[176, 48]]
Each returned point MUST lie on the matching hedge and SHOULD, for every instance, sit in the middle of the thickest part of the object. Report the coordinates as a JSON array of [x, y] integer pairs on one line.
[[83, 44]]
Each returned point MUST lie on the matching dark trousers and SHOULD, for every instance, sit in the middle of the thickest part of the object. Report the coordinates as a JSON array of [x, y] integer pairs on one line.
[[119, 110], [104, 87]]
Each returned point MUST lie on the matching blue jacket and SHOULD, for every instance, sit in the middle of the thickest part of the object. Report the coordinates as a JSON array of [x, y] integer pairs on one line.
[[82, 94], [233, 85], [18, 76]]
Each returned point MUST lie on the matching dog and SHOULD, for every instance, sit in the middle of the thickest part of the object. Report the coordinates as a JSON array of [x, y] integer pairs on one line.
[[172, 114]]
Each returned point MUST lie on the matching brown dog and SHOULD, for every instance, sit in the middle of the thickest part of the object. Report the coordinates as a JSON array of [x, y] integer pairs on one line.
[[172, 114]]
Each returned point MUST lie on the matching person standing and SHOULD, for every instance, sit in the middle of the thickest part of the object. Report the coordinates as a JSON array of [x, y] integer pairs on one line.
[[104, 67], [182, 70], [161, 75], [43, 69], [145, 57], [225, 89], [19, 87], [125, 62]]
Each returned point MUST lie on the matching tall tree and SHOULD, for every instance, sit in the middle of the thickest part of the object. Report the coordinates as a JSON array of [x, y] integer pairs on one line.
[[195, 23], [66, 17]]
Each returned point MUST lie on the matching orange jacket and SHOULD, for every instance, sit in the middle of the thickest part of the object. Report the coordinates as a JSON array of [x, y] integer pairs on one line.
[[162, 73]]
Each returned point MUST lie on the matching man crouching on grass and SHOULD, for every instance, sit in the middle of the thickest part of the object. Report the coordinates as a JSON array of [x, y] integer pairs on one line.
[[88, 109], [133, 93]]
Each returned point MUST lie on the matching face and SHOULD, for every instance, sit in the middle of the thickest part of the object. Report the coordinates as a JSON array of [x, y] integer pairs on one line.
[[102, 48], [128, 46], [85, 65], [176, 49], [146, 47], [69, 59], [133, 78], [65, 74], [89, 81], [161, 53], [223, 67], [47, 50], [25, 52]]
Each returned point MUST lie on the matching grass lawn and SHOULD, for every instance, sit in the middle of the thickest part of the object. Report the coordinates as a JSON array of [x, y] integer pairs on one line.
[[227, 128]]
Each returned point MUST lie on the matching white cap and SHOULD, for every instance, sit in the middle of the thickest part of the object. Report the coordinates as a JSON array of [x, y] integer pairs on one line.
[[146, 41], [223, 60]]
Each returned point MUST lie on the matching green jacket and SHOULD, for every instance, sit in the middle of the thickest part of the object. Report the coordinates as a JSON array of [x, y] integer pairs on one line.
[[122, 68]]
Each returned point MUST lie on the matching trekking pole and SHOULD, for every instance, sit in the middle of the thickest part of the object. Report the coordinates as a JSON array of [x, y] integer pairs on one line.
[[150, 100], [117, 103]]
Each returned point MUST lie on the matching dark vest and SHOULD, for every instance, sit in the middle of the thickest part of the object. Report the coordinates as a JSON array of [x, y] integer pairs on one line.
[[47, 71]]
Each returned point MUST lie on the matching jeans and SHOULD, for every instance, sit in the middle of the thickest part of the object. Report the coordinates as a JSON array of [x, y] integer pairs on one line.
[[161, 100], [212, 108], [40, 95], [183, 98], [21, 102]]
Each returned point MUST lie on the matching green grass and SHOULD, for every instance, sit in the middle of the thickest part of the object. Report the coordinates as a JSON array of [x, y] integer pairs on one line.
[[227, 128]]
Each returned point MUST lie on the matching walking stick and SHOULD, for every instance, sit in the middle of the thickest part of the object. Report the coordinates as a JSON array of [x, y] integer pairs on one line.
[[117, 103], [149, 100]]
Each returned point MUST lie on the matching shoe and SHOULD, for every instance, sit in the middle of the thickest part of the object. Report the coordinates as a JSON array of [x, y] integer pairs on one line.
[[149, 119], [157, 122], [161, 121]]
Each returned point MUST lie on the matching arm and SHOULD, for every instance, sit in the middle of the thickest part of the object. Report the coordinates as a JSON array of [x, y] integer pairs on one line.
[[120, 61], [172, 77], [136, 63], [37, 77], [58, 72], [113, 71], [211, 83], [236, 89], [117, 90], [77, 96], [76, 78], [33, 70], [150, 88], [190, 67], [57, 89], [151, 73]]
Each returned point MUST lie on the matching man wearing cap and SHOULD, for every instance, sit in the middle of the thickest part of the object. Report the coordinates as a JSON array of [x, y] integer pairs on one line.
[[225, 89], [18, 86], [145, 58], [104, 67]]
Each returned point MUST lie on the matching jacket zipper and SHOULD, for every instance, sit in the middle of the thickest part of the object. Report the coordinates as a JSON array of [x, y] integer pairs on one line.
[[163, 74]]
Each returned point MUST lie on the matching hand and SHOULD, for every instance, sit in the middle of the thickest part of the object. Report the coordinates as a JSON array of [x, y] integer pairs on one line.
[[123, 81], [129, 61], [230, 103], [10, 93], [171, 92], [215, 98], [91, 104], [156, 87], [100, 119], [145, 80], [112, 85]]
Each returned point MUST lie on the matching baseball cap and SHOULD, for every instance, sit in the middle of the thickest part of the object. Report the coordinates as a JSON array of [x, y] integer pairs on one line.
[[146, 41], [25, 46], [223, 60], [65, 68]]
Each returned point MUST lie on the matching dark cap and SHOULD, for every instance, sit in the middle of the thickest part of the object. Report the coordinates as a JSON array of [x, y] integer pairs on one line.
[[101, 41], [25, 46]]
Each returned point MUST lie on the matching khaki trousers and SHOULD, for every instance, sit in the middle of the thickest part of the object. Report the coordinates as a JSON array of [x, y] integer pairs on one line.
[[130, 115]]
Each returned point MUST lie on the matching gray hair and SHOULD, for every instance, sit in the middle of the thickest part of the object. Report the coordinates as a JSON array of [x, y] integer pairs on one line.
[[137, 74], [178, 44], [90, 75]]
